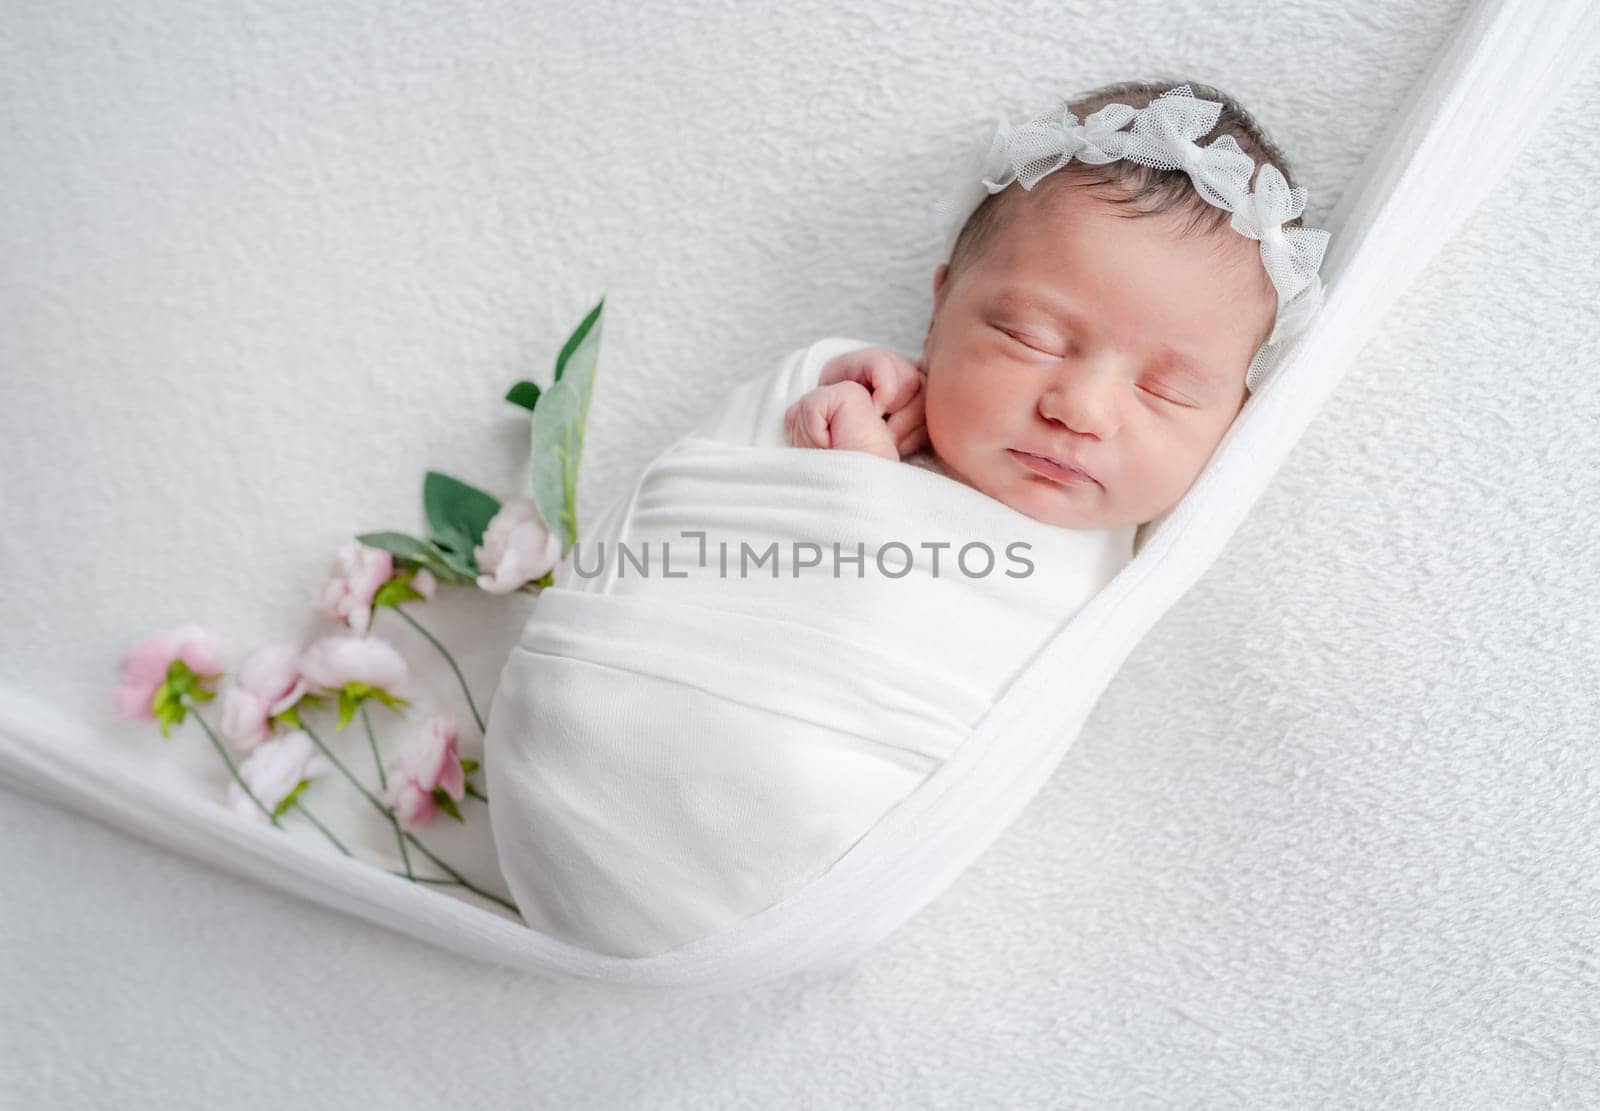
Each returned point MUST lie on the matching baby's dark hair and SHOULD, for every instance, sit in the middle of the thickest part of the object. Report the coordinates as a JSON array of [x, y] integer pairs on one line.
[[1146, 190]]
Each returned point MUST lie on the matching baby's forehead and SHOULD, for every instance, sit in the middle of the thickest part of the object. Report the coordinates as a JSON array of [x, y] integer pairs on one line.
[[1205, 241], [1202, 301]]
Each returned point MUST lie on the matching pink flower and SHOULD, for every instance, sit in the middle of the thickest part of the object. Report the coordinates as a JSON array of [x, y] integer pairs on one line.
[[144, 668], [358, 571], [424, 583], [273, 770], [431, 761], [268, 683], [334, 661], [517, 548]]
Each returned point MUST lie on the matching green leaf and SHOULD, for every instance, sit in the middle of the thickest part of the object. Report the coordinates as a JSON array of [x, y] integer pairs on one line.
[[393, 701], [347, 709], [397, 543], [525, 394], [558, 426], [422, 553], [169, 715], [455, 548], [579, 334], [447, 804], [394, 592], [469, 766], [166, 695], [288, 800], [458, 515]]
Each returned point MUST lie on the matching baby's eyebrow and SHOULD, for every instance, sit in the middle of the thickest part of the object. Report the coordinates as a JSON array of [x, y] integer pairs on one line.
[[1167, 357]]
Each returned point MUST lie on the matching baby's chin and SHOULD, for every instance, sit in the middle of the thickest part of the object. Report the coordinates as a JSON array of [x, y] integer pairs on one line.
[[1035, 496], [1054, 508], [1043, 499]]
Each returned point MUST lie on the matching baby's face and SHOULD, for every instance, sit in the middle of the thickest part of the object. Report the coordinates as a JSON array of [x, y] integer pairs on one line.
[[1098, 339]]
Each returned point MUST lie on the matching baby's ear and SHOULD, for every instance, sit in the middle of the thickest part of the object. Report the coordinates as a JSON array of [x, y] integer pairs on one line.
[[941, 275]]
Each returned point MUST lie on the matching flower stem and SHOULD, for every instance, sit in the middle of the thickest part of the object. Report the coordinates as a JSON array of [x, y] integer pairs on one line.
[[232, 769], [383, 780], [326, 832], [440, 880], [459, 878], [403, 837], [477, 717], [382, 809], [475, 793]]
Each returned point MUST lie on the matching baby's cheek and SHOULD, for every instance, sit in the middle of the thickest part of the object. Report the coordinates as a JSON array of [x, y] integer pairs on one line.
[[935, 418]]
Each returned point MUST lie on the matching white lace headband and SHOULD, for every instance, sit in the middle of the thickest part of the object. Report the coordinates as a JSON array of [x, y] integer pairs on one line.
[[1163, 136]]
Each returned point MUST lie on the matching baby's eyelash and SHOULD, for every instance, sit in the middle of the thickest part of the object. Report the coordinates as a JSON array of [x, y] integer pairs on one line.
[[1168, 400], [1041, 351], [1018, 339]]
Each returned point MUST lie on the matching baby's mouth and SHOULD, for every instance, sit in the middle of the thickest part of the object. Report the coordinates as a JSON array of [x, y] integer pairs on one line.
[[1063, 473]]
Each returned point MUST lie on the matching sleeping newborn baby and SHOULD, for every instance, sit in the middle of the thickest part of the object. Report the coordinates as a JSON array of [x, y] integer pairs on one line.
[[1080, 365], [682, 738]]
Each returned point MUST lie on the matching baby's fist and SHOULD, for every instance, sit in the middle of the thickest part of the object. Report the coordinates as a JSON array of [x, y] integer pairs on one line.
[[839, 416], [895, 386]]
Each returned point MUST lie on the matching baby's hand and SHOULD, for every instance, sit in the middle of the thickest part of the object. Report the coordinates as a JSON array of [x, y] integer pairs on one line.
[[895, 385], [839, 415]]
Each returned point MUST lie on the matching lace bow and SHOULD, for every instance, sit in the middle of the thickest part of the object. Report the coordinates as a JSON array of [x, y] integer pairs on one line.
[[1163, 135]]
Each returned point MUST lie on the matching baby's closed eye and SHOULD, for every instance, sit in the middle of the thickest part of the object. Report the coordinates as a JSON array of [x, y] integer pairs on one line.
[[1034, 342], [1057, 347]]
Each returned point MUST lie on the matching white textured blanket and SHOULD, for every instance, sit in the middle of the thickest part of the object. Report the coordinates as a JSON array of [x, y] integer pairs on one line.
[[785, 644], [1496, 97]]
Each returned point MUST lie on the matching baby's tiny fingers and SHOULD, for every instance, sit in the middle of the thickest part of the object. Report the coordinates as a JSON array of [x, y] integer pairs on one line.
[[813, 422], [908, 426], [893, 391], [908, 415], [914, 441], [841, 368]]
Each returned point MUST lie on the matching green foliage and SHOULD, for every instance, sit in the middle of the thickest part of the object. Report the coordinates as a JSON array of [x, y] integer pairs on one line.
[[458, 514], [397, 590], [169, 704], [410, 552], [447, 804], [289, 800], [558, 428], [525, 394]]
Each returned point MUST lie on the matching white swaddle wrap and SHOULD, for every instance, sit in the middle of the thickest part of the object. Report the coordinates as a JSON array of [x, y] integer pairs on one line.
[[686, 733], [1448, 143]]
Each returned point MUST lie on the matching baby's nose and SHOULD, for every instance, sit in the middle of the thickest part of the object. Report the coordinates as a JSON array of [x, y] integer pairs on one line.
[[1083, 399]]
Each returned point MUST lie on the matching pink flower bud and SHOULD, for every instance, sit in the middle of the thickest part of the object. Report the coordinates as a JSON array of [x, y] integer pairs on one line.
[[333, 661], [145, 666], [414, 808], [431, 761], [358, 571], [268, 683], [517, 548], [272, 770]]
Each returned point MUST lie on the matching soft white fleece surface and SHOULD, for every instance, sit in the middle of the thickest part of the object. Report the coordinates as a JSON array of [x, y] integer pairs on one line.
[[1328, 838]]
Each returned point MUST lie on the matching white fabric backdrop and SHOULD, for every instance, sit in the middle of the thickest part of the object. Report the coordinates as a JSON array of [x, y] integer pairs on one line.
[[1339, 799]]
